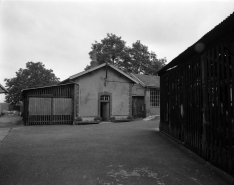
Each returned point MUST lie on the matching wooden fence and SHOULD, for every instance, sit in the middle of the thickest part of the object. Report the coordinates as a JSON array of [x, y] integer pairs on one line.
[[197, 106], [49, 105]]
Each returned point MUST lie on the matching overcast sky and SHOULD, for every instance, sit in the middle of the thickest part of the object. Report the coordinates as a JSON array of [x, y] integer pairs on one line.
[[60, 33]]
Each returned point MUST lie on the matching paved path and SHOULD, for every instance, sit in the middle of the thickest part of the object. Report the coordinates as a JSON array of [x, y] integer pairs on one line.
[[3, 133], [6, 124], [129, 153]]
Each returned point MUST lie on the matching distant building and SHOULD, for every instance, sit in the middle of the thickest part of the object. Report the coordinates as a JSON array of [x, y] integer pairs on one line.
[[3, 106]]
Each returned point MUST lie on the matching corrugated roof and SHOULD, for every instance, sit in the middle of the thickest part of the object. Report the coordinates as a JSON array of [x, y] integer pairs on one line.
[[224, 28], [147, 80], [2, 89]]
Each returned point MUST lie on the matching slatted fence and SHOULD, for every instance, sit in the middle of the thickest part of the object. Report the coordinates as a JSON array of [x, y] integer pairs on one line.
[[49, 105], [197, 106]]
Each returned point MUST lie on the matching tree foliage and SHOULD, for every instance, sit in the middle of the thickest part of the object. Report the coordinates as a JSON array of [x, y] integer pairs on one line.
[[35, 75], [135, 59]]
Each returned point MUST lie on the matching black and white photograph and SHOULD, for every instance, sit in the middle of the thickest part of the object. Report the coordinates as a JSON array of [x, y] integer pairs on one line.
[[116, 92]]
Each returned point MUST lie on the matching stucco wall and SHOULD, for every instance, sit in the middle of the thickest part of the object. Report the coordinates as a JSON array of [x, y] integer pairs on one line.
[[93, 83], [150, 110], [138, 90]]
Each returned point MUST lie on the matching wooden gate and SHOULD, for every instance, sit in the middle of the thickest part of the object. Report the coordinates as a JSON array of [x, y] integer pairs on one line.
[[138, 107], [49, 105]]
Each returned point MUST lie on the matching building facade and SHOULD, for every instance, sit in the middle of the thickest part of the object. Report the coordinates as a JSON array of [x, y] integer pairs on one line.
[[102, 91], [146, 95]]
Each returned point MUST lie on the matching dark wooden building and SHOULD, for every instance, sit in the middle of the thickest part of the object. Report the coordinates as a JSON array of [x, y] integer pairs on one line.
[[49, 105], [197, 107]]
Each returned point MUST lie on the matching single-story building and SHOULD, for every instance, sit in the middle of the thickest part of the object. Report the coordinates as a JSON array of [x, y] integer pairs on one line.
[[3, 106], [145, 95], [102, 91]]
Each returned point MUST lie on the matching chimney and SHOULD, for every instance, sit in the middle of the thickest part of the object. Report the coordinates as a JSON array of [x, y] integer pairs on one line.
[[94, 62]]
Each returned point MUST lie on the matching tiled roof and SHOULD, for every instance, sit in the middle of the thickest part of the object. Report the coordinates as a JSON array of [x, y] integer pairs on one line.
[[147, 80], [97, 67]]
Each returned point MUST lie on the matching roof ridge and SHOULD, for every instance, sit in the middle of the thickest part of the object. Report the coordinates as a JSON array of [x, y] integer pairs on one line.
[[144, 74], [100, 66]]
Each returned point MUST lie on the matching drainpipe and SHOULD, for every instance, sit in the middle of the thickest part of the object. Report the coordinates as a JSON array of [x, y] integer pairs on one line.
[[106, 75]]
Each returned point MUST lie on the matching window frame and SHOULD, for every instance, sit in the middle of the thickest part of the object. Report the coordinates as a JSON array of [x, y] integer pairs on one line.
[[154, 97]]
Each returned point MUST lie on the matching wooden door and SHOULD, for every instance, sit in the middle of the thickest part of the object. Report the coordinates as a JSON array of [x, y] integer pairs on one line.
[[138, 107]]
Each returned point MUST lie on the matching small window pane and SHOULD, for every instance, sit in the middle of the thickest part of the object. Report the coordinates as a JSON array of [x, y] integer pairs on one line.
[[154, 97]]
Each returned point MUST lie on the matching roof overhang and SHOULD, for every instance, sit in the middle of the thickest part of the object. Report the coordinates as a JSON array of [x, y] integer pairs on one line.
[[23, 90], [223, 29], [3, 90], [98, 67], [140, 82]]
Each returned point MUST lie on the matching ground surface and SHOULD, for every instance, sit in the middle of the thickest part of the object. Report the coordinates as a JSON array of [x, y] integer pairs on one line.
[[127, 153]]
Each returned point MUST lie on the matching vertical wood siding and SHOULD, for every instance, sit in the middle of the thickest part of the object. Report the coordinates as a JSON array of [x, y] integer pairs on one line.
[[197, 106], [39, 106], [49, 105]]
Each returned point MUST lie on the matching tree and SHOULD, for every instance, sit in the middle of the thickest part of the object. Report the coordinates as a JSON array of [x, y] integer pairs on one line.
[[145, 62], [111, 50], [35, 75], [135, 59]]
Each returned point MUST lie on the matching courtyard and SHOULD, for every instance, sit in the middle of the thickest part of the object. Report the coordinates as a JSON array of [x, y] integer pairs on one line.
[[106, 153]]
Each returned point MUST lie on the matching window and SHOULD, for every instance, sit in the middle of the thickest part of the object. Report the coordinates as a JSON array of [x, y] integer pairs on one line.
[[105, 97], [154, 97]]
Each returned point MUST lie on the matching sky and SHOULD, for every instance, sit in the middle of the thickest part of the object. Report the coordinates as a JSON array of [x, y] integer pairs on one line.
[[60, 33]]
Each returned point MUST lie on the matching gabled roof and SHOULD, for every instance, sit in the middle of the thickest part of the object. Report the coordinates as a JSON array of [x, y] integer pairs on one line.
[[2, 89], [147, 80], [221, 30], [98, 67]]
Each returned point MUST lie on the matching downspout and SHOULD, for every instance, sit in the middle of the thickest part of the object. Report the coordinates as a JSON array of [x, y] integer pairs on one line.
[[106, 75]]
